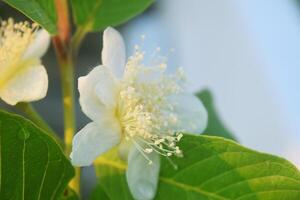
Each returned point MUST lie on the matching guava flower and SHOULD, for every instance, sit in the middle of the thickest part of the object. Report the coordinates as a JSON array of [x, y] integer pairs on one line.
[[138, 108], [22, 76]]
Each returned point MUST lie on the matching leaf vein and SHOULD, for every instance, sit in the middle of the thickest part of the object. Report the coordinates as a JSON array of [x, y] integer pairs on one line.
[[45, 171], [256, 178], [191, 188], [23, 167], [240, 167], [270, 191], [59, 182]]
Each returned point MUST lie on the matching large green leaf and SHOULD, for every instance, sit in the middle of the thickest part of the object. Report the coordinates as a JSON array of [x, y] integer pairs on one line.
[[32, 164], [215, 126], [213, 168], [95, 15], [41, 11]]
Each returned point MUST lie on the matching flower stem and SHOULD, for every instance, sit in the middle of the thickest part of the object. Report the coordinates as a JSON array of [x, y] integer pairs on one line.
[[65, 59], [67, 78], [67, 81], [33, 115], [77, 39]]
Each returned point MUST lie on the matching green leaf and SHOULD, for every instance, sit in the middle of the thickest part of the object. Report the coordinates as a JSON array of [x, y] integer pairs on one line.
[[215, 127], [95, 15], [98, 193], [110, 170], [213, 168], [41, 11], [32, 165]]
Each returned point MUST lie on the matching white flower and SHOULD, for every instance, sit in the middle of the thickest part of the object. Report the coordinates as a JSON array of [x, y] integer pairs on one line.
[[22, 76], [137, 107]]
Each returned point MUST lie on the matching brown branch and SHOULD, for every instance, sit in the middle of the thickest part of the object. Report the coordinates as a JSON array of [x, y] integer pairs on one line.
[[63, 21]]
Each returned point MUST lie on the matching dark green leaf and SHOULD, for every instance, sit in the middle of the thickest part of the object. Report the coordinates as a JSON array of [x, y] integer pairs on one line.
[[215, 126], [41, 11], [213, 168], [95, 15], [32, 164]]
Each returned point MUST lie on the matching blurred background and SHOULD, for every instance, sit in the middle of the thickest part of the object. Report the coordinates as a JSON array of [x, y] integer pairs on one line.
[[247, 53]]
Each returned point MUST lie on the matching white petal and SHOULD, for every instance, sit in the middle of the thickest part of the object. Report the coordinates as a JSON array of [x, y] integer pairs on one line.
[[191, 113], [142, 177], [107, 91], [38, 46], [97, 90], [113, 52], [124, 149], [93, 140], [27, 85]]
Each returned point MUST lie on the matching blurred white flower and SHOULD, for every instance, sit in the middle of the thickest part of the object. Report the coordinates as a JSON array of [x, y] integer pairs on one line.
[[22, 76], [137, 107]]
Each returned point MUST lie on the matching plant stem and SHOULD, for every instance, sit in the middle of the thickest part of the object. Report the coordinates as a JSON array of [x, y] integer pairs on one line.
[[67, 78], [65, 59], [33, 115], [77, 39], [67, 82]]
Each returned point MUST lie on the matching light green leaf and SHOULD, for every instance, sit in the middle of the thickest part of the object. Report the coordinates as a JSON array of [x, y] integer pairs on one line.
[[213, 168], [32, 165], [215, 127], [95, 15], [110, 170], [41, 11], [98, 194]]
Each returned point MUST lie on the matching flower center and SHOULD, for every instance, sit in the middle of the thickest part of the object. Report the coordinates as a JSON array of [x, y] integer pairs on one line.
[[14, 40], [146, 115]]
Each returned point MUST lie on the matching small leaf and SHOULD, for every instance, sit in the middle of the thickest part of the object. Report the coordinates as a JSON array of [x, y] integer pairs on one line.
[[32, 164], [215, 127], [213, 168], [41, 11], [95, 15]]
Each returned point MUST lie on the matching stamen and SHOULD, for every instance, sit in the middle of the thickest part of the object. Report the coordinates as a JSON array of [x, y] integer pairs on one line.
[[179, 137], [14, 40], [172, 163], [140, 149], [145, 114]]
